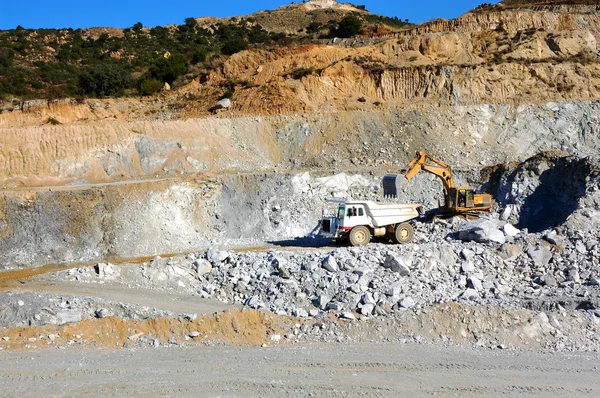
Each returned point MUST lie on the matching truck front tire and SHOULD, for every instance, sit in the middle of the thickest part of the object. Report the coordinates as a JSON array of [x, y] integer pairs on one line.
[[360, 236], [404, 233]]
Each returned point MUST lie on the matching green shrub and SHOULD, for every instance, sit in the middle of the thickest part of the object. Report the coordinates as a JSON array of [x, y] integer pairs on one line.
[[394, 22], [349, 26], [258, 35], [86, 67], [191, 22], [149, 86], [299, 73], [199, 55], [314, 27], [169, 69], [6, 57], [105, 80], [233, 46], [53, 121]]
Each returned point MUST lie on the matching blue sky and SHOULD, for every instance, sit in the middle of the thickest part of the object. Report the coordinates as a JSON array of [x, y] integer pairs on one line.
[[124, 13]]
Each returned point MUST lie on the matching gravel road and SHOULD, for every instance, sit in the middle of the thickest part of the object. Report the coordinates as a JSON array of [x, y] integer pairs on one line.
[[162, 300], [330, 370]]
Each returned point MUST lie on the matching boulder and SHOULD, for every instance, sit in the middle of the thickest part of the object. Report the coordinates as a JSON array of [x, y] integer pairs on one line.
[[467, 254], [222, 104], [481, 231], [347, 315], [573, 274], [467, 267], [323, 301], [284, 273], [300, 313], [330, 264], [254, 302], [510, 251], [510, 230], [105, 270], [447, 256], [202, 267], [101, 313], [581, 247], [367, 298], [398, 263], [540, 255], [505, 215], [554, 238], [407, 302], [549, 280], [367, 309], [469, 293], [216, 256], [475, 283]]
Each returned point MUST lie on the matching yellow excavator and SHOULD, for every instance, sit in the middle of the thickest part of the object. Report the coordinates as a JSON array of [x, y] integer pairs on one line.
[[461, 201]]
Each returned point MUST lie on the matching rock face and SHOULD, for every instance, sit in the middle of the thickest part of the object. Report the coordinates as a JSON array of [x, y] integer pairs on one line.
[[545, 190], [312, 4], [77, 154], [547, 3]]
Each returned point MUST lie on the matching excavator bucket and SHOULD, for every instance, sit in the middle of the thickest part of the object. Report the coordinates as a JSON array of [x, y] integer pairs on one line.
[[392, 183]]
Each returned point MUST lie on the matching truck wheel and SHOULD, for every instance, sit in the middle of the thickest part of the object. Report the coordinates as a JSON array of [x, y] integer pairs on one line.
[[404, 233], [360, 236]]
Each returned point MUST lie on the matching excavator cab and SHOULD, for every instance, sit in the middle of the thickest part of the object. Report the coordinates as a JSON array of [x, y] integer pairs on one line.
[[461, 199]]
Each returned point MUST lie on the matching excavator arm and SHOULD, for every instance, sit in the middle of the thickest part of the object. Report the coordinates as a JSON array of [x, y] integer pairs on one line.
[[392, 182]]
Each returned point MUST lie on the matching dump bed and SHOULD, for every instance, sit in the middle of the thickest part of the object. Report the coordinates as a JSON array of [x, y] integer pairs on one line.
[[386, 214]]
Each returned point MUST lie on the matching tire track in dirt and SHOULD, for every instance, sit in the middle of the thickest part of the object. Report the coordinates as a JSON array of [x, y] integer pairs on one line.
[[345, 370], [392, 367]]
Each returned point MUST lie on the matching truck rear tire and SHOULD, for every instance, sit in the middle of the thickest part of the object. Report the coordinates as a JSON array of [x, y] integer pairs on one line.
[[404, 233], [360, 236]]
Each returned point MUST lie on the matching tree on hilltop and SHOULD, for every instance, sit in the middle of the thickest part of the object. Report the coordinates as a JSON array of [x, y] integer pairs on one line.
[[349, 26]]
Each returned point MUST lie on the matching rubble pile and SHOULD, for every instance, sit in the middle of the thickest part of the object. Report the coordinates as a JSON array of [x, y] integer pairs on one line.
[[436, 269], [545, 190]]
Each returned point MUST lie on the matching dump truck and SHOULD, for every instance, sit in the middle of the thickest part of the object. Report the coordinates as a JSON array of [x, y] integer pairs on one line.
[[357, 221], [461, 201]]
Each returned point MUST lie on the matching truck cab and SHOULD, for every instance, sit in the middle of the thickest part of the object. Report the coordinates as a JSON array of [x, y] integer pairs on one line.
[[347, 217], [351, 215]]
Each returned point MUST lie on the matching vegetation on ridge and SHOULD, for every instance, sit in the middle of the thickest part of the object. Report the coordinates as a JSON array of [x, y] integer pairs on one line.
[[106, 62]]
